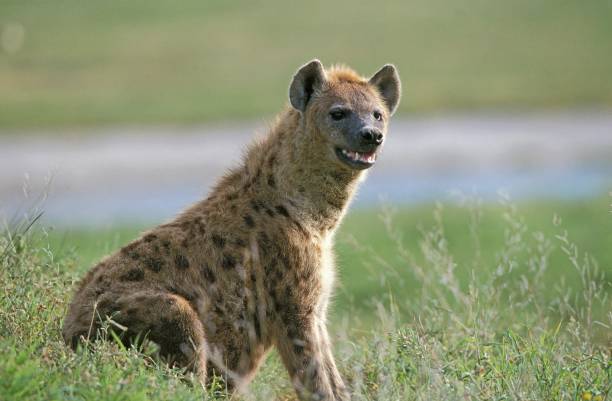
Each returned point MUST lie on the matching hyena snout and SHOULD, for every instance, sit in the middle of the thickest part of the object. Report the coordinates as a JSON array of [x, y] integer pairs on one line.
[[371, 137]]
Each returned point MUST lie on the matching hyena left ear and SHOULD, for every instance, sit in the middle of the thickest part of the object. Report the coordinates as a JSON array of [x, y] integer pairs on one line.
[[387, 81], [306, 81]]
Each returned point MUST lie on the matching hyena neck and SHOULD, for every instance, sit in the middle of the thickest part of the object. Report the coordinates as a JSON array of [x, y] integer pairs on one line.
[[296, 171]]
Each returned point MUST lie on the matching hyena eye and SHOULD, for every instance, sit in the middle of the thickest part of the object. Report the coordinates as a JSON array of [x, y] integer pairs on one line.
[[377, 115], [337, 115]]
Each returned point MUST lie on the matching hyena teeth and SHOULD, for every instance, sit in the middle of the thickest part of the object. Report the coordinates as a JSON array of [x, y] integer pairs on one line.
[[360, 157]]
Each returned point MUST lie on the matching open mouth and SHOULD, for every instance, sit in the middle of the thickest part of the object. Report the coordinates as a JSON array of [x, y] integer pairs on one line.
[[357, 160]]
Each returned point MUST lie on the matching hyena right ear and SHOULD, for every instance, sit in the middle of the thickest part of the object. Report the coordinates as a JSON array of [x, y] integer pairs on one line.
[[309, 78], [388, 83]]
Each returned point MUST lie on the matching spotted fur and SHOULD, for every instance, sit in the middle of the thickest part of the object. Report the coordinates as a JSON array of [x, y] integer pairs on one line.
[[251, 266]]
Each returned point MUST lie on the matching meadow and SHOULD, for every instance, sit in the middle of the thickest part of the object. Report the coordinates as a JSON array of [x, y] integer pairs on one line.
[[454, 301], [70, 63]]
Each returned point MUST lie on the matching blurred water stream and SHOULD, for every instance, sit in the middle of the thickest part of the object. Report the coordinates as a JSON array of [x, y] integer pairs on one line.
[[144, 174]]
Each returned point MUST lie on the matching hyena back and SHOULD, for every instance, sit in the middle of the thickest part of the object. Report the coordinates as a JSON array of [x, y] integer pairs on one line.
[[251, 266]]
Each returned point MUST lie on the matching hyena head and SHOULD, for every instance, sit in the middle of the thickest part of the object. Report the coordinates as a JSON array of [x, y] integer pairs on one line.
[[345, 115]]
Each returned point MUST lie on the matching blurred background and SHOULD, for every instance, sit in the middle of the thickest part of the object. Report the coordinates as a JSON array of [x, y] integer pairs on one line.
[[114, 115]]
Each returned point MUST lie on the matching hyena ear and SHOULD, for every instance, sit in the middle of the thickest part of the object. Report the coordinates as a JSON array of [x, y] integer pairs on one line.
[[309, 78], [387, 81]]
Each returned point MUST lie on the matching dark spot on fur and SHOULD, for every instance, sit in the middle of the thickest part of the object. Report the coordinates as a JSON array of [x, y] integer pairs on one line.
[[299, 227], [249, 221], [153, 264], [181, 262], [200, 226], [335, 203], [282, 210], [269, 212], [165, 334], [271, 160], [234, 356], [166, 245], [102, 280], [131, 251], [255, 177], [129, 247], [218, 240], [263, 240], [293, 333], [131, 312], [255, 205], [314, 371], [134, 274], [103, 283], [240, 242], [232, 196], [150, 238], [228, 261], [257, 325], [189, 296], [106, 306], [336, 175], [271, 181], [208, 274]]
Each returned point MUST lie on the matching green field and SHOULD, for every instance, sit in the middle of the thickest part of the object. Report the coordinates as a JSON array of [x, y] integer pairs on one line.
[[76, 63], [372, 267], [438, 302]]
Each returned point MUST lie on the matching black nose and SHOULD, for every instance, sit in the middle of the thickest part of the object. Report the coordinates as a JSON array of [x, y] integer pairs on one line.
[[371, 136]]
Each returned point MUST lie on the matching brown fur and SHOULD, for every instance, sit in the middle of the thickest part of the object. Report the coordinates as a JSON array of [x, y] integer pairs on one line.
[[247, 268]]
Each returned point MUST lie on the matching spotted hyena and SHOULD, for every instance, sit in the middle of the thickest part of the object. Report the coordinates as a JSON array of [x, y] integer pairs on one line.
[[252, 266]]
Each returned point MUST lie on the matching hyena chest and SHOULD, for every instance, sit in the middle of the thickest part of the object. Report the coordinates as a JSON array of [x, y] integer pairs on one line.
[[279, 278], [235, 336]]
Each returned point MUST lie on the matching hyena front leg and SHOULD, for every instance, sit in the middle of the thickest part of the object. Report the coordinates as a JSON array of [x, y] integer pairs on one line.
[[335, 380], [302, 353]]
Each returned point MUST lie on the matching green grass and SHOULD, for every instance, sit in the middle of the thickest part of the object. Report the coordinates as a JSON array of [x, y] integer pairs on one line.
[[448, 302], [367, 244], [474, 235], [157, 61]]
